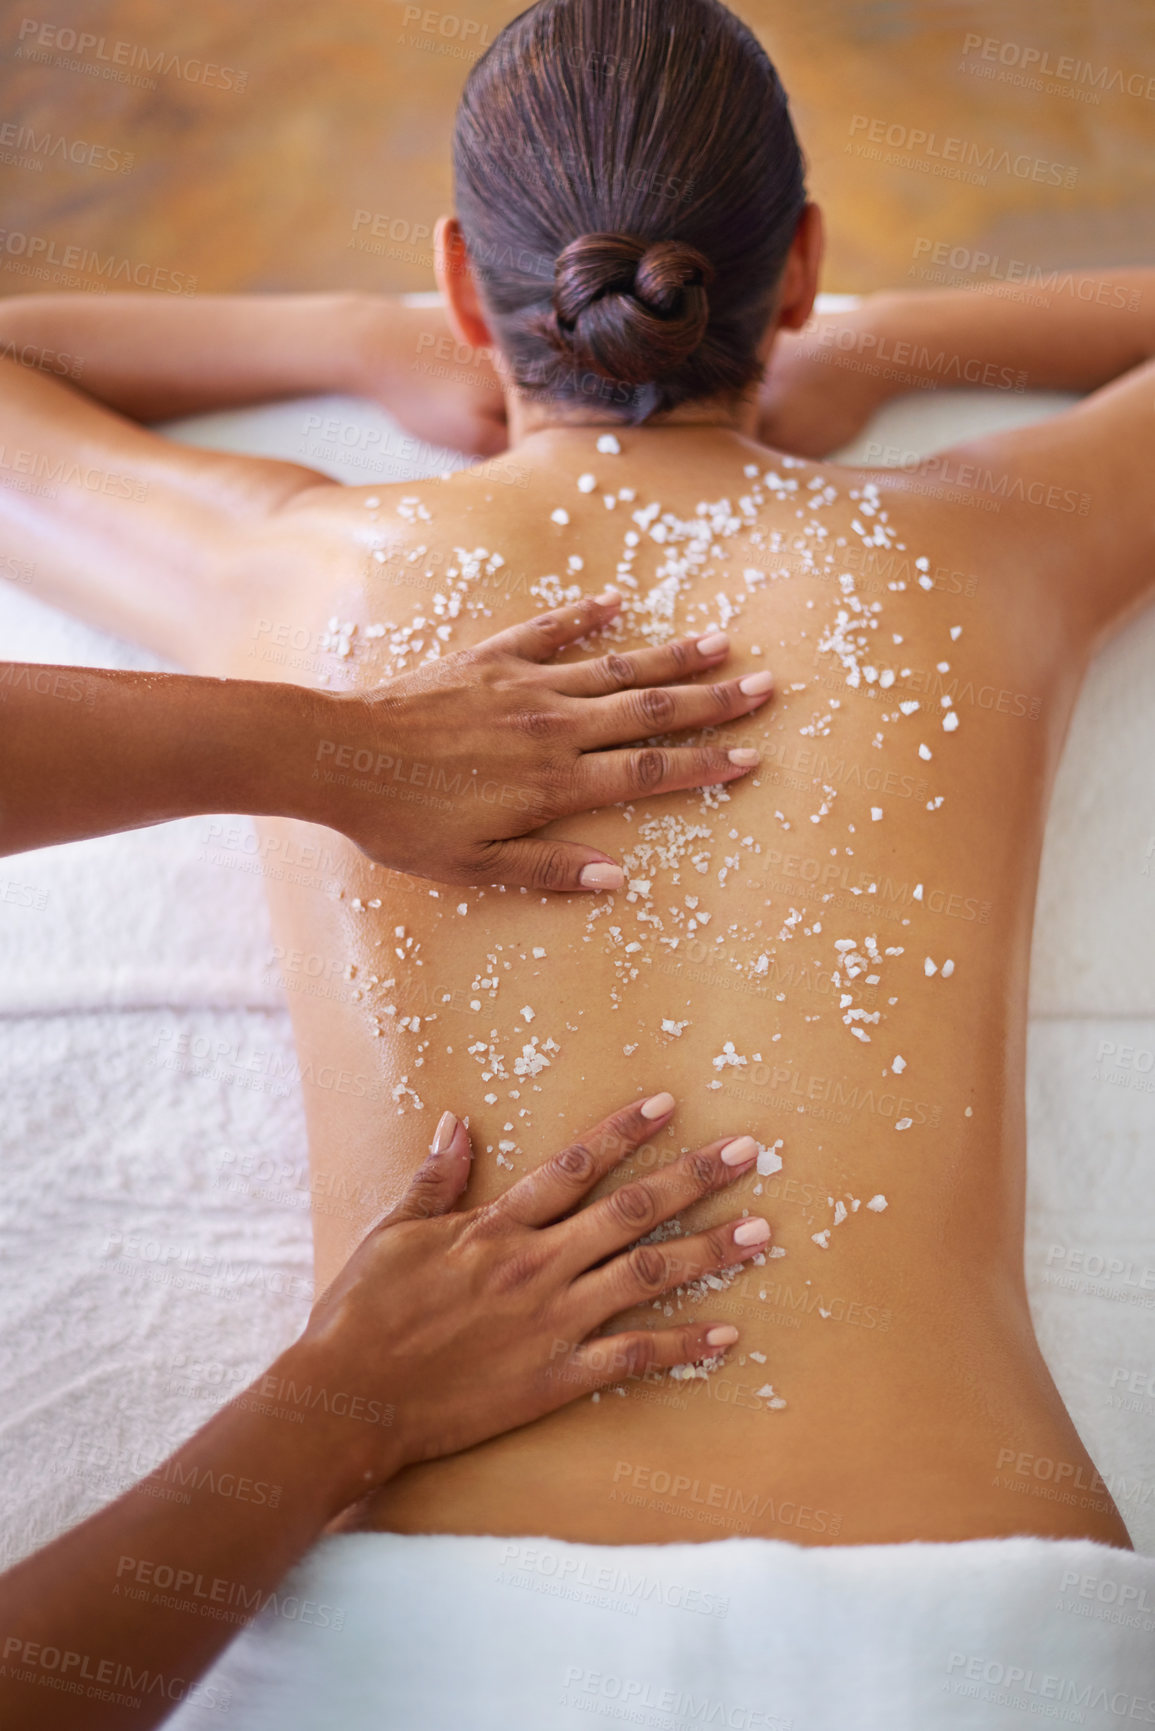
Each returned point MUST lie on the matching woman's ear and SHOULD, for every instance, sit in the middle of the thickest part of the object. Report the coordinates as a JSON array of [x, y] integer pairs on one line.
[[803, 264], [456, 281]]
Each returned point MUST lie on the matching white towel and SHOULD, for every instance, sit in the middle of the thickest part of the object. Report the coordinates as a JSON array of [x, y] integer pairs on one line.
[[380, 1633]]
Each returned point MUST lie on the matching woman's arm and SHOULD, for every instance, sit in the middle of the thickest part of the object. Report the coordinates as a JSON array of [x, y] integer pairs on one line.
[[154, 357], [444, 1329], [825, 382]]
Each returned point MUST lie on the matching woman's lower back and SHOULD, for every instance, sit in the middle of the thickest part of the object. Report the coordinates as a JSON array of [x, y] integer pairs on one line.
[[831, 955]]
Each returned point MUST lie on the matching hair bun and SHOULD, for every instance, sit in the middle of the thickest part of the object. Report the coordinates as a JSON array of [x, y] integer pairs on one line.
[[630, 310]]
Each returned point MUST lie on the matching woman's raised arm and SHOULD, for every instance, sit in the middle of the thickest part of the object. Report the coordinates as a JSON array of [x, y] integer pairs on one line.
[[155, 357], [1064, 331]]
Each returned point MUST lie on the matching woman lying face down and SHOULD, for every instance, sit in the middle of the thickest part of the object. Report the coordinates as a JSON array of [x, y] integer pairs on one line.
[[831, 954]]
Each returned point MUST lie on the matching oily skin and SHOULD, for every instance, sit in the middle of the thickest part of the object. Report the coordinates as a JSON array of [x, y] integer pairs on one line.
[[894, 1431], [953, 1351]]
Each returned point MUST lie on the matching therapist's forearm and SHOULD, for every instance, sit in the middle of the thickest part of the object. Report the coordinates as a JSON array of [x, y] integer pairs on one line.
[[89, 751], [113, 1623]]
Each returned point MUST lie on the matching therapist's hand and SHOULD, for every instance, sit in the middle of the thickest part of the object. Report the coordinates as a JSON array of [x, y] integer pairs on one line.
[[472, 1324], [445, 771]]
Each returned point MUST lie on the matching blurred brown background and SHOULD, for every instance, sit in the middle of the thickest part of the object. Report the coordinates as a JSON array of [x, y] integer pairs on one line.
[[235, 142]]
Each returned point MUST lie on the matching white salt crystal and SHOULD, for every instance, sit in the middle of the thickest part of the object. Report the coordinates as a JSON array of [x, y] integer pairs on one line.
[[527, 1013], [949, 721], [608, 445], [904, 1123], [929, 967], [947, 970], [587, 483], [876, 814], [559, 516], [898, 1065], [769, 1159], [925, 753], [877, 1203]]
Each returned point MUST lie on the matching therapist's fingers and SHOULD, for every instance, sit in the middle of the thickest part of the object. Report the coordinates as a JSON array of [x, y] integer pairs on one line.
[[538, 639], [438, 1183], [610, 673], [610, 777], [668, 709], [611, 1358], [562, 1183], [629, 1212], [648, 1270]]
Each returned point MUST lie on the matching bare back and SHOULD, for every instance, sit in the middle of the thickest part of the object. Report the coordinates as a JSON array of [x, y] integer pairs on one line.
[[831, 955]]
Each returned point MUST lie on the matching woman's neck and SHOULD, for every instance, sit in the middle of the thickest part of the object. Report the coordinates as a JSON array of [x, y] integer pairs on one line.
[[528, 420]]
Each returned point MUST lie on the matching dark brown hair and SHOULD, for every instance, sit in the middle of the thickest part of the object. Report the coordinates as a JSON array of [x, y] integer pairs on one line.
[[628, 183]]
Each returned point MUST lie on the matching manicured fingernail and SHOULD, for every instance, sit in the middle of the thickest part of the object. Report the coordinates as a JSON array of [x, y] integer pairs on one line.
[[608, 595], [444, 1134], [658, 1105], [713, 643], [602, 877], [752, 1232], [744, 755], [756, 684], [736, 1153], [724, 1335]]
